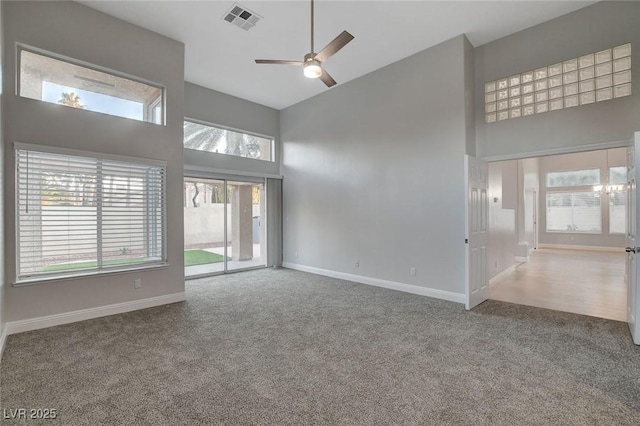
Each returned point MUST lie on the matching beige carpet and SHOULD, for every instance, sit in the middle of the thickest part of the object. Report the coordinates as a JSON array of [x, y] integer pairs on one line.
[[284, 347]]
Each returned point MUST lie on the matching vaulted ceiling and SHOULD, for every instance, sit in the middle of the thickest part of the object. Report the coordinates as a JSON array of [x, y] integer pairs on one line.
[[220, 55]]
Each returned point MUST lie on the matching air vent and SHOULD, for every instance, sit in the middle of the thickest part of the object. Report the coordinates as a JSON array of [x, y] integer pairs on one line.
[[241, 17]]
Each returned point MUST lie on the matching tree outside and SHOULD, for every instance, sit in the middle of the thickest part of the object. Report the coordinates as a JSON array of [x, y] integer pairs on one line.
[[70, 99]]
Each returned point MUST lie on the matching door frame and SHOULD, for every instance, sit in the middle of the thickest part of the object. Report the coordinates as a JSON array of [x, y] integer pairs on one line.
[[226, 179], [556, 151]]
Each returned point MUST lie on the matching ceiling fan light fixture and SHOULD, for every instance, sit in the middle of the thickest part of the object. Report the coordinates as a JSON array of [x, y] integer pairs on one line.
[[312, 63], [312, 69]]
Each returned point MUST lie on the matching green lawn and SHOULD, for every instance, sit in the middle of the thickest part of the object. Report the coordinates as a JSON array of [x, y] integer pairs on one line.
[[201, 257], [191, 258]]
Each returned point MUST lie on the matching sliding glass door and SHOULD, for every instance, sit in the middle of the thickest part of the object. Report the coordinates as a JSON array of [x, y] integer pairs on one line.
[[224, 227], [204, 230], [247, 237]]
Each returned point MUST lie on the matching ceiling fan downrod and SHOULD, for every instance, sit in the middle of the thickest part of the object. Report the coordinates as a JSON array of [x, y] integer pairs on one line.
[[312, 62]]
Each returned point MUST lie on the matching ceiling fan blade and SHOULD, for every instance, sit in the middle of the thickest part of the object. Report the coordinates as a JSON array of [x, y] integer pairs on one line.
[[327, 79], [278, 62], [335, 45]]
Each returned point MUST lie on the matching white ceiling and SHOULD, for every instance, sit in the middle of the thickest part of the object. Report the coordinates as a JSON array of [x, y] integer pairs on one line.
[[220, 56]]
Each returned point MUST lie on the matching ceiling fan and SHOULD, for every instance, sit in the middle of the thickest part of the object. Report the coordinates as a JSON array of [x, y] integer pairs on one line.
[[312, 63]]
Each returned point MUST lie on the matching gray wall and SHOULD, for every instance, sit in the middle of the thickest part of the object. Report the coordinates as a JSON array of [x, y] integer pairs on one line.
[[228, 111], [581, 160], [502, 191], [373, 171], [79, 32], [469, 87], [597, 27]]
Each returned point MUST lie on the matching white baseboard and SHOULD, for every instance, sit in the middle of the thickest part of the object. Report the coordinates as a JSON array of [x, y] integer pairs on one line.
[[493, 281], [577, 247], [21, 326], [521, 259], [392, 285], [3, 340]]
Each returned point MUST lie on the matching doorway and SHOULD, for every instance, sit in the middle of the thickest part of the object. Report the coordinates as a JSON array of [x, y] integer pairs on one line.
[[557, 232], [224, 226]]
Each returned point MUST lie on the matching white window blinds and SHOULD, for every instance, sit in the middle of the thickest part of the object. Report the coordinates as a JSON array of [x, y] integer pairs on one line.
[[574, 212], [82, 214]]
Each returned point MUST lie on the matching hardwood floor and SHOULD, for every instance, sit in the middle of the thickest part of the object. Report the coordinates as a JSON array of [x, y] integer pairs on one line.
[[582, 282]]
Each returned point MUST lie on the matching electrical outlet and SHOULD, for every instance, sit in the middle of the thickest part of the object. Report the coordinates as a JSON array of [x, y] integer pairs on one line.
[[413, 271], [296, 254], [357, 263], [137, 283]]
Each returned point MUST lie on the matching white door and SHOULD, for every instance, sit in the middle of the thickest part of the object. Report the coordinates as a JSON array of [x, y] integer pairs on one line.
[[477, 231], [632, 264]]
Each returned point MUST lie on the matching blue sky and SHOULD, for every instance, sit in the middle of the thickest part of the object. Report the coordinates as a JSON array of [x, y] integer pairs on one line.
[[93, 101]]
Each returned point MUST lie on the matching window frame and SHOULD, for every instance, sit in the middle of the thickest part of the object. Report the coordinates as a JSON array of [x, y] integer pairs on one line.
[[590, 185], [626, 201], [233, 129], [572, 190], [605, 203], [20, 47], [79, 273]]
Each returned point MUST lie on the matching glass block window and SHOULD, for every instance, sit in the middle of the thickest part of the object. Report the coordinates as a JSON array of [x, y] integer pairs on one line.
[[591, 78]]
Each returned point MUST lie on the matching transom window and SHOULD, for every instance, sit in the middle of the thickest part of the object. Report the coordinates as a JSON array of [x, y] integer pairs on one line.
[[79, 214], [49, 79], [573, 178], [205, 137]]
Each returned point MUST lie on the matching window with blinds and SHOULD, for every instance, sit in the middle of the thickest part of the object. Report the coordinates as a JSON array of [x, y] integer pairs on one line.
[[573, 206], [578, 212], [78, 214]]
